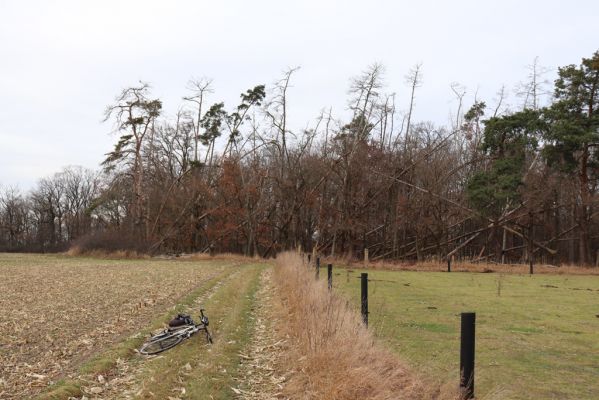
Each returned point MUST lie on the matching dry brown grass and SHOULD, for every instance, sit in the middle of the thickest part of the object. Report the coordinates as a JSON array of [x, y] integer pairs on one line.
[[223, 256], [462, 266], [76, 251], [335, 356]]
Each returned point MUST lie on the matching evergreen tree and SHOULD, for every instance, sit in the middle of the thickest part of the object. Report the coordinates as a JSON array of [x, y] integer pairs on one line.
[[573, 136], [507, 140]]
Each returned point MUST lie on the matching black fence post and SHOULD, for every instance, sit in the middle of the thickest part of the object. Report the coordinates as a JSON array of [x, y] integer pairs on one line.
[[467, 355], [317, 267], [330, 275], [531, 246], [448, 264], [309, 258], [365, 298]]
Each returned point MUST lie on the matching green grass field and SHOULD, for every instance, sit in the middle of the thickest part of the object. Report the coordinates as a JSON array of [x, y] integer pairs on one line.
[[537, 336]]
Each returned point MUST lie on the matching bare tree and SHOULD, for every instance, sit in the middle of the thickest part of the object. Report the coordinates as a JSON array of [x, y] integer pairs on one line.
[[533, 89], [13, 219], [199, 89], [459, 91], [134, 114], [414, 80], [276, 111]]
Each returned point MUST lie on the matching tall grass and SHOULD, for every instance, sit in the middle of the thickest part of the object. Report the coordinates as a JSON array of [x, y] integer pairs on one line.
[[334, 356]]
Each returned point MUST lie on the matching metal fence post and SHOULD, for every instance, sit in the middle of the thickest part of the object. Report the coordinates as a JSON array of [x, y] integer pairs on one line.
[[330, 275], [531, 242], [317, 267], [365, 298], [467, 355]]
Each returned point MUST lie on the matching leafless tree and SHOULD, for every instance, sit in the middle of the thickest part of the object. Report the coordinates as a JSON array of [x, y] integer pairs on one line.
[[414, 80], [134, 114], [199, 89]]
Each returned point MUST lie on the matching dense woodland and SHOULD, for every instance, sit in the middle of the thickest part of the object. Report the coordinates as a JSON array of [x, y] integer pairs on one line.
[[498, 183]]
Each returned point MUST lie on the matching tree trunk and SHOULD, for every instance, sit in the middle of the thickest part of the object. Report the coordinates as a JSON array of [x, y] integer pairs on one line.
[[585, 195], [503, 244]]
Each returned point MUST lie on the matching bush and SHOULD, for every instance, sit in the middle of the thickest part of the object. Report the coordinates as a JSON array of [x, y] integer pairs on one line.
[[110, 241]]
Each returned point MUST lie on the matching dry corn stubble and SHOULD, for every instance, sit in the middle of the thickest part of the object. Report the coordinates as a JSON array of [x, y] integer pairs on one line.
[[57, 311]]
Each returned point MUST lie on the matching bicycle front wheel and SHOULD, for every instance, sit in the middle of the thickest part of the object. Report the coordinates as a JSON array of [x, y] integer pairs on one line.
[[160, 345]]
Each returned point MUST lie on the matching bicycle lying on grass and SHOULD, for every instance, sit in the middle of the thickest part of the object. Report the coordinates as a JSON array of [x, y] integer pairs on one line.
[[184, 327]]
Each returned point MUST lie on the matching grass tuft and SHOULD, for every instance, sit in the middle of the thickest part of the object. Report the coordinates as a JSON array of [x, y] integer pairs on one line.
[[63, 389]]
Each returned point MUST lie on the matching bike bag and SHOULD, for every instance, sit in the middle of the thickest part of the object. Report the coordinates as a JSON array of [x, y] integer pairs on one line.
[[180, 320]]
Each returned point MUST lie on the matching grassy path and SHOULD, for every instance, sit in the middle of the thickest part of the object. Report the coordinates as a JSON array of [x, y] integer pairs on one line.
[[200, 371], [262, 377]]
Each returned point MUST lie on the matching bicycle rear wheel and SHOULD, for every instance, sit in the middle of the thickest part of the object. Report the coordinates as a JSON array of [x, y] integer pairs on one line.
[[160, 345]]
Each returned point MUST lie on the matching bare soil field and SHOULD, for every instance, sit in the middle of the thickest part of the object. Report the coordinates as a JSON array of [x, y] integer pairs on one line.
[[57, 312]]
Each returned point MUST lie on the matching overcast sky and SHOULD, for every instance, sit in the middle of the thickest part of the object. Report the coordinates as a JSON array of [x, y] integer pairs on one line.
[[62, 62]]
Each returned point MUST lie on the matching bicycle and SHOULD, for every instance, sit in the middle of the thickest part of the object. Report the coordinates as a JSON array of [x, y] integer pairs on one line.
[[171, 337]]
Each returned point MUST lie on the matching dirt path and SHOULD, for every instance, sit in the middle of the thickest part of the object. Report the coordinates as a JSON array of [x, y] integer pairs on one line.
[[261, 377]]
